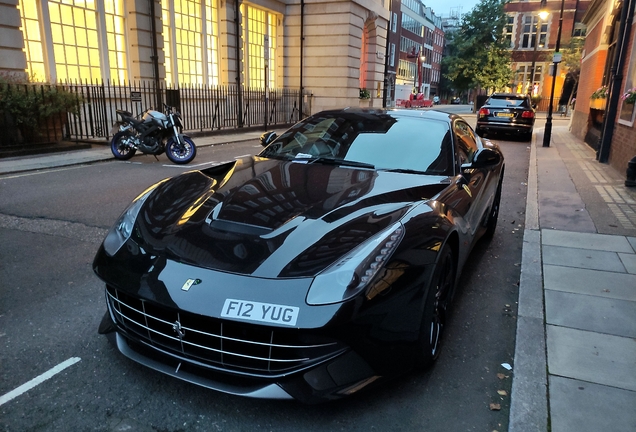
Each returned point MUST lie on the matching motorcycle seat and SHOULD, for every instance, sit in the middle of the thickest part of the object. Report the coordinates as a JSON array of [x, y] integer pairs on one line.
[[124, 112]]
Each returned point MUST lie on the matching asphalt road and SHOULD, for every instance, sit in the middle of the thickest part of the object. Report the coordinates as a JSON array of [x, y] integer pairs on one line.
[[51, 224]]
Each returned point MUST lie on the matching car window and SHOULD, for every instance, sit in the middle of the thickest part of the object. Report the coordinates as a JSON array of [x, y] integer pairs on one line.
[[466, 142], [509, 102], [394, 143]]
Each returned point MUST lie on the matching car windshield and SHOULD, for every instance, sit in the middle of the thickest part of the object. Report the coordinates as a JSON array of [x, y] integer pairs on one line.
[[385, 142], [503, 101]]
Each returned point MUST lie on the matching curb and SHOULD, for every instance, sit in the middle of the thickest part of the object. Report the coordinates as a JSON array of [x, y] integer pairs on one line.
[[529, 394]]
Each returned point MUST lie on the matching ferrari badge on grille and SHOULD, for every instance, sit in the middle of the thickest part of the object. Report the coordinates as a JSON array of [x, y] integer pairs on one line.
[[186, 286]]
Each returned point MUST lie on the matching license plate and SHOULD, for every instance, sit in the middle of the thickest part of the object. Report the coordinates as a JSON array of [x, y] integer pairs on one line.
[[501, 114], [261, 312]]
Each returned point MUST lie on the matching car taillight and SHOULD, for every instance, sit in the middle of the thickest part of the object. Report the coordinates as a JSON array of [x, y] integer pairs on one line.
[[527, 114], [484, 112]]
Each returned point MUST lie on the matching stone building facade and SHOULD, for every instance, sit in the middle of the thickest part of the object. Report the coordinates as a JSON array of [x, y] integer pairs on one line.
[[330, 49]]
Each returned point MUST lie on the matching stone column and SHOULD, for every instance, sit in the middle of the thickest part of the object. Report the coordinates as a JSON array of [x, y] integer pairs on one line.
[[12, 57]]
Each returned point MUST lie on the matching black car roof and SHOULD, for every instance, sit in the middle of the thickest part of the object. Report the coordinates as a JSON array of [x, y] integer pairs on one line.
[[509, 95], [432, 114]]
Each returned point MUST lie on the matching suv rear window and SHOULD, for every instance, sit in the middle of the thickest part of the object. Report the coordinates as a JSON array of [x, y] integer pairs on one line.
[[503, 101]]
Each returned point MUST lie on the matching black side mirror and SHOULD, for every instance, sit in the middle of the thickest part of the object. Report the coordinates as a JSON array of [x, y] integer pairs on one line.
[[267, 138], [484, 157]]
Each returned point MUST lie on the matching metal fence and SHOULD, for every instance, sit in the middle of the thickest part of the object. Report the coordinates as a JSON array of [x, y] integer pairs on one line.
[[203, 108], [544, 103]]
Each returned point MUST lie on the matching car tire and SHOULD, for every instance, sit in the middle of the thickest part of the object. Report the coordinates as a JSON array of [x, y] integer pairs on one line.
[[479, 132], [493, 214], [527, 136], [435, 308], [120, 150]]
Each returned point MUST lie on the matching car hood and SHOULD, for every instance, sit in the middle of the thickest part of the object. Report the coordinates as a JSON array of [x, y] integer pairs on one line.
[[271, 218]]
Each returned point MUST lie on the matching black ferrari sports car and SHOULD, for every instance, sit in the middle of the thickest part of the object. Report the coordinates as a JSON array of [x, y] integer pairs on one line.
[[310, 270]]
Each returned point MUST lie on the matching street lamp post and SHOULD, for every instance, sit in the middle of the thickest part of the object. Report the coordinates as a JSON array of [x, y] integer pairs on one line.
[[547, 133]]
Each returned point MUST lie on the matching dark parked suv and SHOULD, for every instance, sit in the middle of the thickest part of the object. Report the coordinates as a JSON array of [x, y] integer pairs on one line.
[[507, 112]]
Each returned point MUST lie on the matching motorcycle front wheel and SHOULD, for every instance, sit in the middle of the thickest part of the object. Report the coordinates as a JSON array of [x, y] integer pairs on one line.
[[120, 149], [181, 153]]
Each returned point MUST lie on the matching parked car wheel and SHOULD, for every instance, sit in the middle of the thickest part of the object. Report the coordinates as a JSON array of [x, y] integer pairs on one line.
[[528, 136], [435, 308], [491, 225]]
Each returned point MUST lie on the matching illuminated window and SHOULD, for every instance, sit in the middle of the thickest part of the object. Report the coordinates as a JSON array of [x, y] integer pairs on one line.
[[32, 40], [115, 31], [190, 41], [524, 77], [406, 70], [260, 29], [64, 43], [75, 40]]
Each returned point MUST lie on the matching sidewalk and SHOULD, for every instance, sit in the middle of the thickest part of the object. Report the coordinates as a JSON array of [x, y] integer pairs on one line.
[[575, 356], [102, 152]]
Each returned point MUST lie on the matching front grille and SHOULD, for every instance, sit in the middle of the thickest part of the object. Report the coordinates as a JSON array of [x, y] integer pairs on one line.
[[220, 344]]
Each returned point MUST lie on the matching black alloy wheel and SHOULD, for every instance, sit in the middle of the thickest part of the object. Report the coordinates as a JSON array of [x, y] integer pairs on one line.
[[435, 308], [493, 215]]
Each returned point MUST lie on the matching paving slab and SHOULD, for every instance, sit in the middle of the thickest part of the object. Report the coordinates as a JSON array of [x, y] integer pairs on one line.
[[583, 258], [629, 261], [578, 406], [582, 240], [586, 312], [552, 172], [591, 282], [564, 211], [594, 357]]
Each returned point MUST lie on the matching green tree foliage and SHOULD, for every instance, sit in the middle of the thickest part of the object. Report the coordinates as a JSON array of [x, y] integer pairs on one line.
[[479, 55]]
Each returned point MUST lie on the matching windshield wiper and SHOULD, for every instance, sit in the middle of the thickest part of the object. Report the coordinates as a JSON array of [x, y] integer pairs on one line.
[[338, 161], [404, 171]]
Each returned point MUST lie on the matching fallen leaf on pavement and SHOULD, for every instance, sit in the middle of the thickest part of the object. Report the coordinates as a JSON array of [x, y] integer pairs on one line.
[[502, 393], [495, 407]]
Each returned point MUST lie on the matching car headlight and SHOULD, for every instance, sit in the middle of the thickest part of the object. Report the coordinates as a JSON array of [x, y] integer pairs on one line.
[[356, 270], [122, 230]]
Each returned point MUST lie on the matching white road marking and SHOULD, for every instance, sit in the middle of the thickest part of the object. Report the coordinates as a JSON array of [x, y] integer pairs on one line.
[[42, 170], [38, 380]]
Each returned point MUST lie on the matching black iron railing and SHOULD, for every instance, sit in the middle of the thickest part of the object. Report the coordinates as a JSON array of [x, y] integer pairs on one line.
[[203, 108]]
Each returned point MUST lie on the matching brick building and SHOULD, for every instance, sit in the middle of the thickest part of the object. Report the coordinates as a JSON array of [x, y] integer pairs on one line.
[[533, 41], [608, 126]]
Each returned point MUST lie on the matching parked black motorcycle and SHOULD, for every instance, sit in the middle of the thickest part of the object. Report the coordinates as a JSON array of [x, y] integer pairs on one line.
[[155, 133]]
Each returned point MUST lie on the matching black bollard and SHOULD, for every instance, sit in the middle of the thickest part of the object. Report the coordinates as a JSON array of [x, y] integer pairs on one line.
[[631, 173]]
